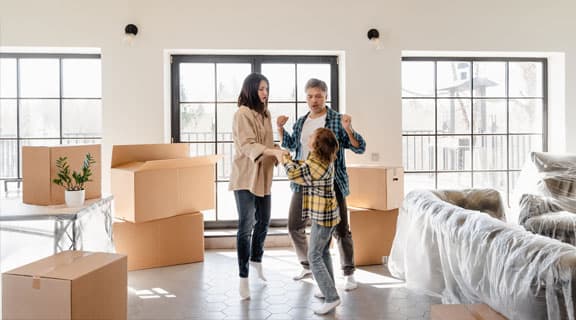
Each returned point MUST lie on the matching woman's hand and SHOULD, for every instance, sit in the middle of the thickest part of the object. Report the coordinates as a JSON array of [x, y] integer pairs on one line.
[[277, 153]]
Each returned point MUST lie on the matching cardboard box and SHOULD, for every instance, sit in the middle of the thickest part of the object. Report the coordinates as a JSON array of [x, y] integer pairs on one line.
[[39, 169], [375, 187], [373, 233], [160, 243], [157, 181], [68, 285], [464, 312]]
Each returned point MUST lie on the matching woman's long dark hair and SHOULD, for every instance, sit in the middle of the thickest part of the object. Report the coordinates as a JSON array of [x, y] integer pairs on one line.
[[249, 94]]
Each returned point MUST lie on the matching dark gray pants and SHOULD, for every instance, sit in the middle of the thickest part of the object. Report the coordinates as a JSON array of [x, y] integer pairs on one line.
[[297, 231]]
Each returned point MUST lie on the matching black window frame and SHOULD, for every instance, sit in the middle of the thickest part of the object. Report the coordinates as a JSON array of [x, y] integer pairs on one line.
[[256, 62], [60, 98], [472, 134]]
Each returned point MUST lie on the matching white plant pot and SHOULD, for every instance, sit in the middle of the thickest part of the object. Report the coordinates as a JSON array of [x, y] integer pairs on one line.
[[74, 198]]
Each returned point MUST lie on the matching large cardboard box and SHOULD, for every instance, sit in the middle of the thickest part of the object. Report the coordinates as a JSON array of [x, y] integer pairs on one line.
[[464, 312], [39, 169], [373, 233], [160, 243], [375, 187], [155, 181], [68, 285]]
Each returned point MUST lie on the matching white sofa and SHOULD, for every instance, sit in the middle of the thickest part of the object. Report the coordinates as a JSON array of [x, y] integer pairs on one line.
[[465, 255], [547, 203]]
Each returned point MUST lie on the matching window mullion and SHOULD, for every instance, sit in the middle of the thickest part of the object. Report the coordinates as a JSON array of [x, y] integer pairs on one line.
[[18, 137], [175, 110], [507, 89], [436, 125], [498, 141], [216, 138], [60, 94], [38, 100], [472, 136], [256, 64], [296, 91]]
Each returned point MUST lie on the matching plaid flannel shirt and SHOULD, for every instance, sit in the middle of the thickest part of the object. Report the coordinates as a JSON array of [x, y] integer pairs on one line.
[[316, 179], [334, 123]]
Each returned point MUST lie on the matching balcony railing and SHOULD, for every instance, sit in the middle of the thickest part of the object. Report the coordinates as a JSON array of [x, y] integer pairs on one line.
[[10, 155], [490, 152], [204, 143]]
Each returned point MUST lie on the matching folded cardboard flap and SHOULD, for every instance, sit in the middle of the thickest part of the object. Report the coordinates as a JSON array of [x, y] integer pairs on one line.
[[158, 181], [130, 166], [122, 154], [168, 163], [178, 163]]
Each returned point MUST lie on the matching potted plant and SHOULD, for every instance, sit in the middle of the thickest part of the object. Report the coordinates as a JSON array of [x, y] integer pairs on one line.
[[74, 181]]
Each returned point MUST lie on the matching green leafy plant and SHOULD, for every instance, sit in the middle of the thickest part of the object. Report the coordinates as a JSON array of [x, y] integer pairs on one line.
[[74, 181]]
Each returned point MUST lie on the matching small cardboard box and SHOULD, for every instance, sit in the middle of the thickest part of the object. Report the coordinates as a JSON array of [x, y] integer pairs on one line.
[[373, 233], [155, 181], [68, 285], [464, 312], [160, 243], [39, 169], [375, 187]]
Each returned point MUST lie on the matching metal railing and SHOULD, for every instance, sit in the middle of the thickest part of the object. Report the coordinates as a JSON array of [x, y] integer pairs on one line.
[[204, 143], [11, 154], [490, 152]]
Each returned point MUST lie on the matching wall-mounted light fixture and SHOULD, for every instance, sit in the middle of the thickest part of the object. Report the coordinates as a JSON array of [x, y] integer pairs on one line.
[[374, 37], [130, 32]]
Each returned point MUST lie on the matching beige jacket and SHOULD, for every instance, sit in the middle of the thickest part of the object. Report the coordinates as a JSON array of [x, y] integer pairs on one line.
[[251, 170]]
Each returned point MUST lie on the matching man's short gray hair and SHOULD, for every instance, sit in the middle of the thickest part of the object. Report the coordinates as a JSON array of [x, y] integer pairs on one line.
[[316, 83]]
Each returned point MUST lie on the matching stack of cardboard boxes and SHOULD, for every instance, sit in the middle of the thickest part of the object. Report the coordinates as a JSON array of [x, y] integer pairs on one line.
[[69, 284], [376, 193], [159, 191]]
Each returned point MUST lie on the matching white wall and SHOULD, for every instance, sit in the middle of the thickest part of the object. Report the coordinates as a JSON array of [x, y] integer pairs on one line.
[[133, 77]]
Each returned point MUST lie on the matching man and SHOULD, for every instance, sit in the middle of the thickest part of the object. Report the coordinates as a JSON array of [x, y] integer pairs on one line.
[[322, 116]]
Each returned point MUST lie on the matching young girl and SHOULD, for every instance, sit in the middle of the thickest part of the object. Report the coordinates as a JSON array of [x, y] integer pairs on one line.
[[316, 176]]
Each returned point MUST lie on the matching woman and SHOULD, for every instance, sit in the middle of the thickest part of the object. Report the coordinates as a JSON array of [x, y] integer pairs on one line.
[[251, 177]]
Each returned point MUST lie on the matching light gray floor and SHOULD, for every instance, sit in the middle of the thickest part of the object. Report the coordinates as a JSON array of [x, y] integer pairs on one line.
[[209, 290]]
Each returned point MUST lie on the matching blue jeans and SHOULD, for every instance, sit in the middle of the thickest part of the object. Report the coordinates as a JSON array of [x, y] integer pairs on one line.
[[321, 262], [297, 231], [253, 221]]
